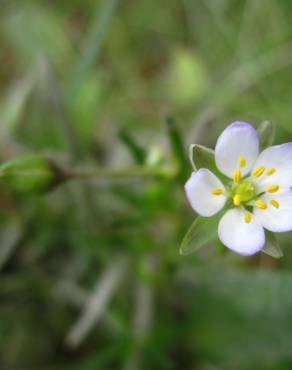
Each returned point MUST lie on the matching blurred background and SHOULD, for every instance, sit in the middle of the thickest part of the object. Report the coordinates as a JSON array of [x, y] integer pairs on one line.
[[91, 276]]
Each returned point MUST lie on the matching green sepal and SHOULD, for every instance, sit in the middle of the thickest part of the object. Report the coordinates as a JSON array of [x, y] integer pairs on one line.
[[221, 248], [271, 246], [30, 173], [266, 133], [203, 157], [201, 232]]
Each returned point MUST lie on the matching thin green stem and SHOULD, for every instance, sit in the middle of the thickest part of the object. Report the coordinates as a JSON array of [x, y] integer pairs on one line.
[[105, 173]]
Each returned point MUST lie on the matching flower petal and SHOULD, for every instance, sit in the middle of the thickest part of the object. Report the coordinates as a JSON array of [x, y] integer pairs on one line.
[[277, 158], [199, 189], [273, 218], [238, 140], [241, 237]]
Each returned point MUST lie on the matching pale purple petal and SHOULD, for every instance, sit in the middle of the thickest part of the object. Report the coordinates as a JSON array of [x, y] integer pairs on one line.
[[198, 190], [238, 139], [239, 236], [276, 219], [278, 157]]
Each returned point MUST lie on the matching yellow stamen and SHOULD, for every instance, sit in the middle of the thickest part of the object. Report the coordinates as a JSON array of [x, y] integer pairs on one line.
[[271, 171], [274, 203], [273, 188], [217, 191], [258, 171], [237, 176], [261, 204], [247, 218], [242, 161], [236, 200]]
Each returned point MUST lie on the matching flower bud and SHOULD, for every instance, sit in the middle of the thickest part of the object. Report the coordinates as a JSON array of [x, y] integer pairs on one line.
[[31, 174]]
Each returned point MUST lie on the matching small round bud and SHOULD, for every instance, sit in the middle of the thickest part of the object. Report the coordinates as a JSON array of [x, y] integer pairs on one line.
[[31, 174]]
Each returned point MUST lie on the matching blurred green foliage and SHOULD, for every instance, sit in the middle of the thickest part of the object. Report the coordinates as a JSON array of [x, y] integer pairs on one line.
[[91, 276]]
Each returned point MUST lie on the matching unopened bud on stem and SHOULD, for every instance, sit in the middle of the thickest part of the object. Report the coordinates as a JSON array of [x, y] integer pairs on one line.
[[32, 173]]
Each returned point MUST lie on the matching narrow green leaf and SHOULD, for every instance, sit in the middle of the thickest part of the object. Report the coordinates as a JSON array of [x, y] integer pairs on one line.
[[266, 132], [14, 104], [271, 246], [202, 231], [138, 153], [177, 147], [203, 157]]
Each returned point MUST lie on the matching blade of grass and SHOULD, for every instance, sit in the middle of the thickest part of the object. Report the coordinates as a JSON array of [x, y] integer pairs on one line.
[[93, 45], [97, 302]]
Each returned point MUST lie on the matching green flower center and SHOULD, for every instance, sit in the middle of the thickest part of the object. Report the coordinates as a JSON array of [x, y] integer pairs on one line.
[[245, 190]]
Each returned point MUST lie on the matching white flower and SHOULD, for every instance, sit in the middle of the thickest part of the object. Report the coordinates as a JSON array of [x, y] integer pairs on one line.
[[257, 194]]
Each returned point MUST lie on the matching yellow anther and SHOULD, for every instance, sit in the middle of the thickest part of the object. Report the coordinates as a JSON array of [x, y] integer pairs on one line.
[[236, 200], [247, 218], [273, 189], [217, 191], [261, 204], [258, 171], [242, 161], [271, 171], [237, 176], [274, 203]]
